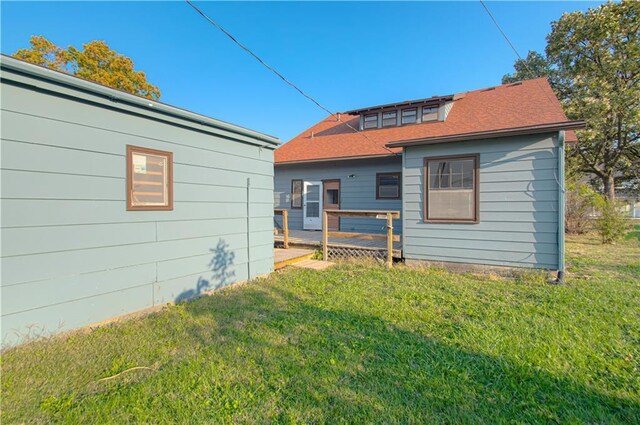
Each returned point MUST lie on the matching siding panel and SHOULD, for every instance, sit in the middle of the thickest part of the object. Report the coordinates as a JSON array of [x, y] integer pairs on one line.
[[73, 255], [357, 192], [518, 205]]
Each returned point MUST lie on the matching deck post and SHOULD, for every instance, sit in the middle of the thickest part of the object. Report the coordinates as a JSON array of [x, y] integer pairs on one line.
[[285, 228], [389, 240], [325, 236]]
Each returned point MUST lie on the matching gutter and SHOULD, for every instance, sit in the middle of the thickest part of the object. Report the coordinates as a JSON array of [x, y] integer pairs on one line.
[[345, 158], [142, 105], [517, 131]]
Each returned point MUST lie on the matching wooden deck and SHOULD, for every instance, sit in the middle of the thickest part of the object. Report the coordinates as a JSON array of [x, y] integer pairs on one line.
[[287, 257], [313, 239], [313, 264]]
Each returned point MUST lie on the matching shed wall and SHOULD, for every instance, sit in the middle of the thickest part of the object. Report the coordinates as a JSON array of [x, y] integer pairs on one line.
[[72, 255], [356, 193], [518, 205]]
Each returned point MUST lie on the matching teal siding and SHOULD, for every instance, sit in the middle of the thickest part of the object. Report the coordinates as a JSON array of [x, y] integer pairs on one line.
[[72, 255], [518, 205], [357, 193]]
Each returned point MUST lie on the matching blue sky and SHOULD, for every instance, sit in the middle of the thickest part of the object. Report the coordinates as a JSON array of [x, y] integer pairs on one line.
[[347, 55]]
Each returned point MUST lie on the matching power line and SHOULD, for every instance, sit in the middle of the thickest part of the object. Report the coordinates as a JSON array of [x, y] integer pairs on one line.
[[282, 77], [503, 33], [524, 62], [528, 69]]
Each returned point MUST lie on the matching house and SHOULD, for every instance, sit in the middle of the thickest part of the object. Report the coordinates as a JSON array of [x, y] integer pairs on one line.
[[477, 176], [112, 203]]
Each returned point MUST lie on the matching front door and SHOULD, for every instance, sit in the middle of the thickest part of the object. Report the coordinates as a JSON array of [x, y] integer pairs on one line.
[[332, 201], [312, 206]]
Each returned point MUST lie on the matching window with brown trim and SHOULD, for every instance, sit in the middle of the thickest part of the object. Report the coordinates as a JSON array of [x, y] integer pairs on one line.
[[371, 121], [296, 194], [452, 189], [388, 186], [149, 179]]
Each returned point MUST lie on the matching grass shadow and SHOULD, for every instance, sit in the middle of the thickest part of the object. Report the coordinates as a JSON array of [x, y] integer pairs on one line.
[[265, 353], [337, 364]]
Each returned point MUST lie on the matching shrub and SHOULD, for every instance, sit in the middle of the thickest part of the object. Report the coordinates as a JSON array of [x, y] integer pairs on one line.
[[611, 225], [580, 200]]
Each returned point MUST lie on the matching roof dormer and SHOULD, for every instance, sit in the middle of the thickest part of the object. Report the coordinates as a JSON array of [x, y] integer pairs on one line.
[[404, 113]]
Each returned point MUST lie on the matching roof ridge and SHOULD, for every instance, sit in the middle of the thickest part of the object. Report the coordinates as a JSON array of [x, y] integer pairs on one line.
[[523, 106], [506, 85]]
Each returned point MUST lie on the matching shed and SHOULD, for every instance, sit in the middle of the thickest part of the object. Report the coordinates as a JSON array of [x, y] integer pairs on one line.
[[113, 203]]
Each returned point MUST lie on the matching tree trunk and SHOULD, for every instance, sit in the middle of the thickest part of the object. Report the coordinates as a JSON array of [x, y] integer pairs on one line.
[[609, 187]]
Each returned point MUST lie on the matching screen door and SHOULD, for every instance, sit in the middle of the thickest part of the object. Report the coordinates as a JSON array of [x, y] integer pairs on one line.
[[312, 206]]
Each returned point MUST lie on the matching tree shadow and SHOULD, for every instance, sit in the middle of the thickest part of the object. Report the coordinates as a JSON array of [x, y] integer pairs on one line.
[[223, 273], [330, 365]]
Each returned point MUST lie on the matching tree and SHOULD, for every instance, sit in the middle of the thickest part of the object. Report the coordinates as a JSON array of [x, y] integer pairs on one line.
[[535, 65], [593, 63], [95, 62]]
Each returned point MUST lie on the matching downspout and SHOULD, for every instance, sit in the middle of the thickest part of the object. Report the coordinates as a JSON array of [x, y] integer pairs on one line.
[[561, 206], [248, 228], [404, 200]]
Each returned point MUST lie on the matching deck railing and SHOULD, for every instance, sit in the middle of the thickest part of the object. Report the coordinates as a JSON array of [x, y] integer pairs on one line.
[[285, 225], [388, 215]]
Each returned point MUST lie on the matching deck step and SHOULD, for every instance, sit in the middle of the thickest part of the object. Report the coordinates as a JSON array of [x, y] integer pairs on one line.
[[313, 264], [288, 257]]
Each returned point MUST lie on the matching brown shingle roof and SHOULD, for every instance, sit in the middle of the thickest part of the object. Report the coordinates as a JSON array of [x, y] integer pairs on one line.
[[526, 104]]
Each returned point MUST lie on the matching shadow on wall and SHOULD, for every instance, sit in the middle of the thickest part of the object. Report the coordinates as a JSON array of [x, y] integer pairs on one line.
[[223, 273]]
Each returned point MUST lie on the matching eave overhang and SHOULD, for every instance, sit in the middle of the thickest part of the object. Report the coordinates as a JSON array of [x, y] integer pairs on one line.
[[517, 131]]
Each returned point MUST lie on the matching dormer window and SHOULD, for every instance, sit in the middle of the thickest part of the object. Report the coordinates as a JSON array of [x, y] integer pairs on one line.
[[371, 121], [409, 116], [435, 108], [429, 113], [389, 118]]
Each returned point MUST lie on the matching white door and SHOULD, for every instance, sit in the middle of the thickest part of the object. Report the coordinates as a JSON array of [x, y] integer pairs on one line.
[[312, 206]]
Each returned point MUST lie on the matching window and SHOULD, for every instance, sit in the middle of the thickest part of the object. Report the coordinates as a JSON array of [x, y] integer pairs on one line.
[[371, 121], [409, 116], [429, 113], [333, 197], [388, 186], [389, 118], [296, 194], [149, 179], [452, 189]]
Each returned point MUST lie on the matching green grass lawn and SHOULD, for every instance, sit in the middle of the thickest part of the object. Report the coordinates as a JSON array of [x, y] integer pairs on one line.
[[358, 344]]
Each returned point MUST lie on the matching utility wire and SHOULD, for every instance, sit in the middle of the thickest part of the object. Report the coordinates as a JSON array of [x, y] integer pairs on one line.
[[283, 78], [531, 74], [524, 62]]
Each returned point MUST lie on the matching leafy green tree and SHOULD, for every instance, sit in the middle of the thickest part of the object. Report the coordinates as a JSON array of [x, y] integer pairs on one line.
[[611, 224], [95, 62], [535, 65], [593, 63]]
